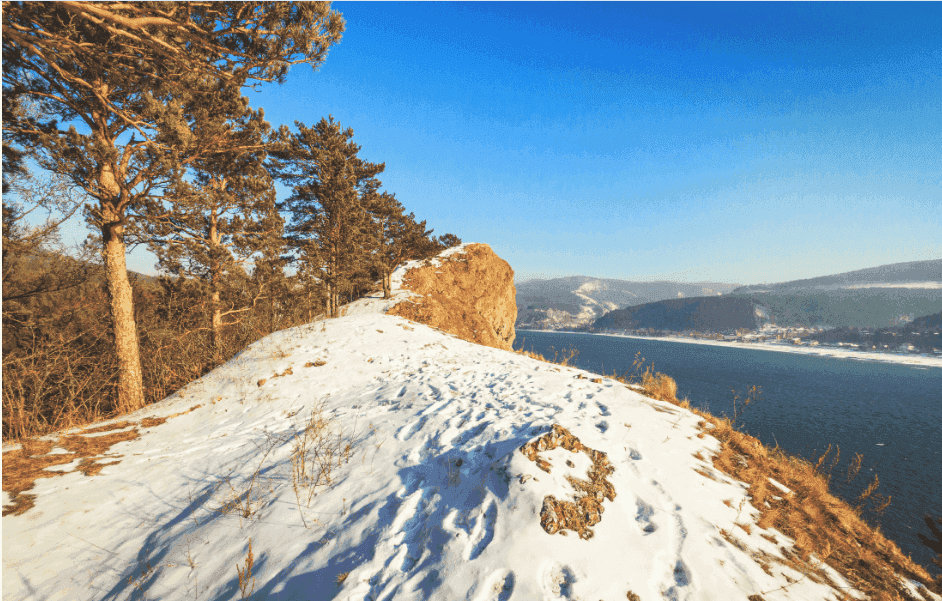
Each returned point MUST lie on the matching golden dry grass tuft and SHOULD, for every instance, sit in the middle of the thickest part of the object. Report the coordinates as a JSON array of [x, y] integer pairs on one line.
[[246, 580], [824, 527], [317, 453]]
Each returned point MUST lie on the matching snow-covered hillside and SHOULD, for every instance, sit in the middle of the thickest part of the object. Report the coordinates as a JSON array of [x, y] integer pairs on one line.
[[433, 499], [368, 457]]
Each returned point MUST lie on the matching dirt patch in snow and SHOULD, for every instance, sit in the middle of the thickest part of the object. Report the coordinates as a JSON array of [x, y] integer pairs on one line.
[[586, 510], [23, 466]]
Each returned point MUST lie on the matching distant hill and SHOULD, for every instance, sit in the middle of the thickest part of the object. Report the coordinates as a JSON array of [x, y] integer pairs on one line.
[[859, 308], [926, 322], [705, 314], [578, 301], [912, 275], [877, 297]]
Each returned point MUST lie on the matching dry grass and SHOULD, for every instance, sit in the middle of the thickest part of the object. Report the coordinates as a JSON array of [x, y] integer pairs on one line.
[[247, 497], [566, 359], [316, 454], [108, 427], [23, 466], [246, 580], [822, 526]]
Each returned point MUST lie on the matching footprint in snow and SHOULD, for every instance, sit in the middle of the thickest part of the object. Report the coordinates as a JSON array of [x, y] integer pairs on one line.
[[602, 426], [470, 434], [483, 532], [497, 587], [406, 432], [681, 573], [410, 522], [634, 454], [643, 518], [558, 581], [681, 577], [603, 409]]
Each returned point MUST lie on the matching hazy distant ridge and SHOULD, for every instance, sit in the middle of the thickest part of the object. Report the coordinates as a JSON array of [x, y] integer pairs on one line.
[[928, 272], [865, 298], [705, 314], [577, 301]]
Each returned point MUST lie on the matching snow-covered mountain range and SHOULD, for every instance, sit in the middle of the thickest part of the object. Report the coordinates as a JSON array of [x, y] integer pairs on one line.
[[873, 297], [576, 301], [912, 275]]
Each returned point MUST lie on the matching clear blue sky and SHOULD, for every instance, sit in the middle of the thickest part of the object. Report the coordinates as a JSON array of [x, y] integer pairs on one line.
[[738, 142]]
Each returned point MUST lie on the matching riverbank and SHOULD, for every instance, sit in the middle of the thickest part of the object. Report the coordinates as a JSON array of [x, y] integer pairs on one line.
[[918, 360]]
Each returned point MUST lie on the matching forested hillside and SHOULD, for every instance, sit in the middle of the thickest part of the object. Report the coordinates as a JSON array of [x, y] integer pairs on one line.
[[133, 116], [705, 314], [859, 308]]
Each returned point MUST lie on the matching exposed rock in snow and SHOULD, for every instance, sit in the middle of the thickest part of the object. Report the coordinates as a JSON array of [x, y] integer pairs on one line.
[[467, 291]]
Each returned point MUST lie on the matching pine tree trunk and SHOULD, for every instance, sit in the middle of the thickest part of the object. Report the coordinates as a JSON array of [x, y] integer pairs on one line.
[[214, 240], [120, 296], [332, 295], [217, 326], [121, 300]]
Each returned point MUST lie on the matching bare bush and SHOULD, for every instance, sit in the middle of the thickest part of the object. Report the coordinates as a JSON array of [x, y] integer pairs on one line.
[[316, 454]]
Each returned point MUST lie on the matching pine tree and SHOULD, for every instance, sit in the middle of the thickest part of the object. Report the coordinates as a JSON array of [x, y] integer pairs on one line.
[[331, 186], [211, 225], [120, 75], [398, 238], [448, 240], [277, 293]]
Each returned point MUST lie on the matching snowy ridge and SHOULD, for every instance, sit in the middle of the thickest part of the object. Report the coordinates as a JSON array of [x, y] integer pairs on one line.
[[375, 303], [910, 285], [435, 502], [400, 272]]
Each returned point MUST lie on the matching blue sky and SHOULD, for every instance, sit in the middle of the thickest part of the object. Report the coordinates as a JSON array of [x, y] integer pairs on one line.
[[696, 142]]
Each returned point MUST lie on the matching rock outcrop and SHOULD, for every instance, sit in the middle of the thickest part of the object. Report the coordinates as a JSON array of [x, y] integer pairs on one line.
[[467, 291]]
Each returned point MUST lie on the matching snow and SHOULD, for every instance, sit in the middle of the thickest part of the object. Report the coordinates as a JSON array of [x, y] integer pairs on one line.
[[910, 285], [433, 499], [434, 502], [400, 272], [841, 353], [780, 486]]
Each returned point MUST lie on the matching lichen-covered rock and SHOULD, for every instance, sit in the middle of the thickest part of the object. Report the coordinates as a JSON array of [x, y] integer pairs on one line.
[[467, 291]]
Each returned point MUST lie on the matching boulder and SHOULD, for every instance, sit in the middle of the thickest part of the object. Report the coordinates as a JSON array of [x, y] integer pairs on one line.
[[467, 291]]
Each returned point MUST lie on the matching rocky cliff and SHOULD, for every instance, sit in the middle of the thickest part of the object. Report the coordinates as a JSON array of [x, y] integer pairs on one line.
[[467, 291]]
